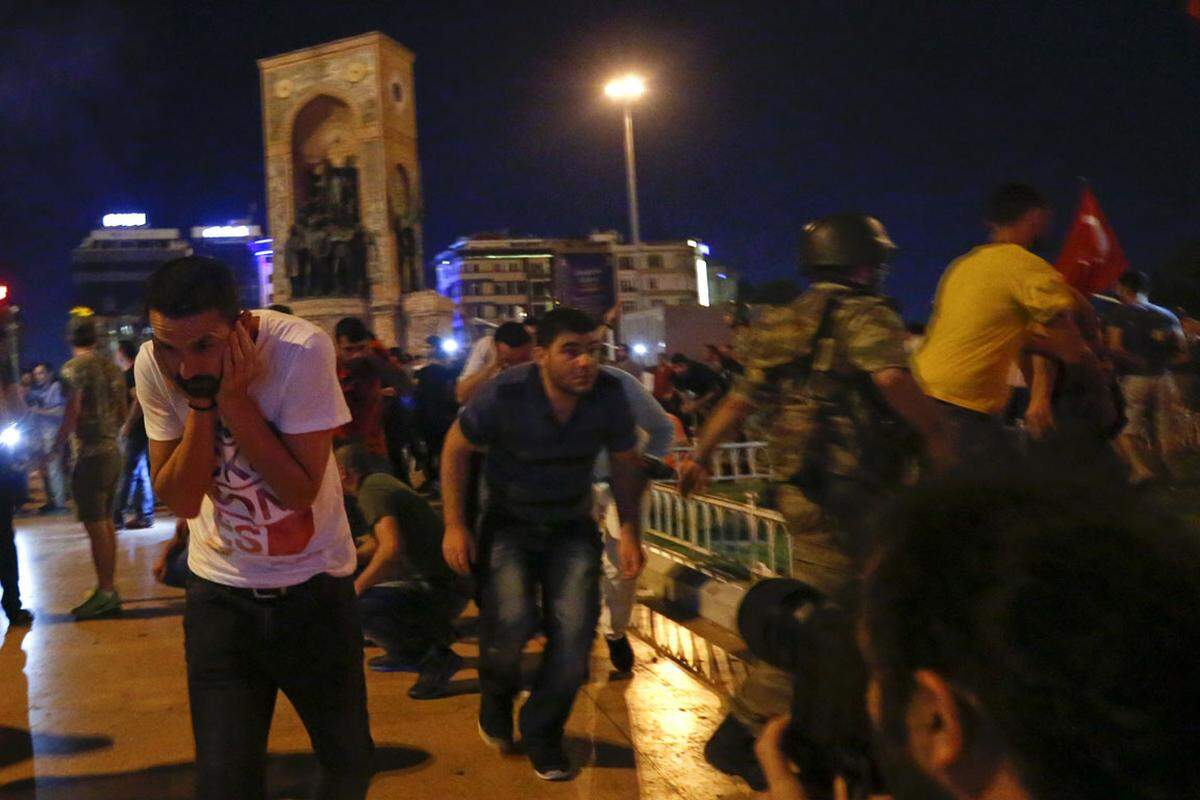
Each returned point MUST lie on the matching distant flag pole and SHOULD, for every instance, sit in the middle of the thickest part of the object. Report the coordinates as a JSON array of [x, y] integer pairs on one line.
[[1091, 258]]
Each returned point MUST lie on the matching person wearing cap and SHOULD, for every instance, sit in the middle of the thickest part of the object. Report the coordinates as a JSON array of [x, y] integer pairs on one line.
[[96, 396], [828, 374]]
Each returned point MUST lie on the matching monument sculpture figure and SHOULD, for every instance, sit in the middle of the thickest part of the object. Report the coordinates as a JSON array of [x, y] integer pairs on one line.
[[343, 186], [326, 250]]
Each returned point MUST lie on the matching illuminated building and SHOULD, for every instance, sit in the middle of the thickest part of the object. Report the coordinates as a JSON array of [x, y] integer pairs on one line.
[[497, 277], [110, 266]]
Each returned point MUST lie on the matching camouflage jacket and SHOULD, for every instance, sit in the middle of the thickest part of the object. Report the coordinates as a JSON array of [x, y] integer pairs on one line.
[[101, 386], [821, 413]]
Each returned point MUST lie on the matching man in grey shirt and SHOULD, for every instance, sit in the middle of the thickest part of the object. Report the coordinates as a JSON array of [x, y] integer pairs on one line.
[[618, 593]]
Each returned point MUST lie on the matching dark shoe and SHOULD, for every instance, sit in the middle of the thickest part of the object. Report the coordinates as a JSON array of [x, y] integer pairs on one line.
[[731, 750], [436, 671], [140, 523], [119, 523], [550, 762], [21, 618], [620, 653], [398, 662], [496, 722]]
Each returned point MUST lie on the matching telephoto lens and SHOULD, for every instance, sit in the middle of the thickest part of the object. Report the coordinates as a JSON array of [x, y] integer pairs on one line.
[[792, 626]]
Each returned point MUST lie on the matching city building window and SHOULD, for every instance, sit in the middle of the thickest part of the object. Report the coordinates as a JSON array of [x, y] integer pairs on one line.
[[652, 283], [626, 262], [627, 286], [654, 262], [658, 303], [629, 305]]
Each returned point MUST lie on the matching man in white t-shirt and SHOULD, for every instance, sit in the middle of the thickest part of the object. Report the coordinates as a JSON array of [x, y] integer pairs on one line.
[[247, 458]]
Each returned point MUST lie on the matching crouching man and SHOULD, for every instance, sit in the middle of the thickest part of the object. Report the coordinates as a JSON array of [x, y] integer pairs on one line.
[[407, 595], [240, 410]]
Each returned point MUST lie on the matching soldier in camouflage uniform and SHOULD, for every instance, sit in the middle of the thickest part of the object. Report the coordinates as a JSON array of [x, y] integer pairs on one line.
[[828, 376]]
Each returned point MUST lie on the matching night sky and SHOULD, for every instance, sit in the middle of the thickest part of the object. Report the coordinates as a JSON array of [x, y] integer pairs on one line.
[[759, 117]]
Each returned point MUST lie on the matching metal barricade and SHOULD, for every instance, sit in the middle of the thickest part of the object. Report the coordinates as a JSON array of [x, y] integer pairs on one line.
[[722, 530], [734, 461]]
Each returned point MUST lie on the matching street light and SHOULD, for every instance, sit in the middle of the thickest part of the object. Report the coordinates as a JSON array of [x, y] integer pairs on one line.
[[626, 90]]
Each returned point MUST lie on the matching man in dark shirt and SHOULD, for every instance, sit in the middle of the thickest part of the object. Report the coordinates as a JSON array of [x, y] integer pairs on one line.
[[542, 424], [407, 596], [702, 383], [1145, 340]]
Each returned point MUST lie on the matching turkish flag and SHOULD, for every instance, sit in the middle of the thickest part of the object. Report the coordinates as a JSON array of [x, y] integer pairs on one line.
[[1194, 9], [1092, 258]]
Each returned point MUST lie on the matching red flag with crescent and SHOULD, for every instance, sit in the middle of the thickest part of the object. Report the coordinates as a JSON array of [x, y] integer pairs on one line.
[[1194, 9], [1092, 258]]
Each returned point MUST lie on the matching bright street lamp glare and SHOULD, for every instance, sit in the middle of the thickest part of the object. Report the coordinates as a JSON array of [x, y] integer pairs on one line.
[[629, 87]]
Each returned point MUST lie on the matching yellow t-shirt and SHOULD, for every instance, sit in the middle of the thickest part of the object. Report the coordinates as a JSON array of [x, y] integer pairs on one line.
[[984, 304]]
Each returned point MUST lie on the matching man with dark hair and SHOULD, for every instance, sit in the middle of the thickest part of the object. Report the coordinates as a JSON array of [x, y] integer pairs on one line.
[[702, 385], [44, 398], [364, 369], [1146, 340], [96, 395], [407, 596], [1029, 639], [511, 345], [135, 476], [240, 410], [280, 307], [542, 426], [992, 303]]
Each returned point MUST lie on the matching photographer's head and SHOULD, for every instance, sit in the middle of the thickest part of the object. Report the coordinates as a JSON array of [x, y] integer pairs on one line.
[[1028, 639], [192, 303]]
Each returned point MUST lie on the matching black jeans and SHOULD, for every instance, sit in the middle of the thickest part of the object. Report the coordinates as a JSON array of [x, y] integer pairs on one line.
[[410, 617], [518, 563], [9, 577], [242, 651]]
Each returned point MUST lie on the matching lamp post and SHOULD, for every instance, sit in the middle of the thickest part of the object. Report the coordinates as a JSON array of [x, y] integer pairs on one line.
[[626, 90]]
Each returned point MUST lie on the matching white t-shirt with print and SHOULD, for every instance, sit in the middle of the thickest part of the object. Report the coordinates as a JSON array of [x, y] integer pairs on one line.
[[243, 535]]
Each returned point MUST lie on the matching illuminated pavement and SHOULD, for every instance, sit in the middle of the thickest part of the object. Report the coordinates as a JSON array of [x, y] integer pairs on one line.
[[107, 706]]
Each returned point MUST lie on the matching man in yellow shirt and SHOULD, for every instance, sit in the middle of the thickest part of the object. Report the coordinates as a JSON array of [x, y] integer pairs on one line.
[[993, 303]]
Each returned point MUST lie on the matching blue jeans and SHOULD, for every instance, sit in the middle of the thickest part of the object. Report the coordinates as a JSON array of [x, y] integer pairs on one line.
[[410, 617], [135, 489], [518, 563]]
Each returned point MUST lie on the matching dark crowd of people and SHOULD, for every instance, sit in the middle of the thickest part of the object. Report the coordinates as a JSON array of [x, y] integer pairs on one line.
[[980, 602]]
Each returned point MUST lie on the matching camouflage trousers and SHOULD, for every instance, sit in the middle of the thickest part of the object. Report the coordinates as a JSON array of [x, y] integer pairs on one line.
[[820, 557]]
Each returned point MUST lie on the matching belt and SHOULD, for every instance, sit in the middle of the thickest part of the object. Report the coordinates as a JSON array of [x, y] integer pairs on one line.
[[265, 595]]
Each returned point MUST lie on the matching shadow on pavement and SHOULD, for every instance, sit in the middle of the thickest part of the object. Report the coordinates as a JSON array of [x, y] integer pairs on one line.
[[597, 753], [16, 744], [173, 609], [288, 775]]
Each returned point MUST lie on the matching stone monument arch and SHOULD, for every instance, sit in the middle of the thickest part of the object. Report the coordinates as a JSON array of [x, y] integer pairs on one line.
[[343, 186]]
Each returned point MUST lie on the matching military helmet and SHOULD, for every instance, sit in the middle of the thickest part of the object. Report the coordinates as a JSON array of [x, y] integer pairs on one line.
[[843, 241]]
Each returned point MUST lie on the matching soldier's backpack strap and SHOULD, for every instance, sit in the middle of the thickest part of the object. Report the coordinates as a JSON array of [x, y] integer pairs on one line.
[[820, 351]]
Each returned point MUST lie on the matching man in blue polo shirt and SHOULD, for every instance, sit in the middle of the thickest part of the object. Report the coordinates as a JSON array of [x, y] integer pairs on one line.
[[542, 425]]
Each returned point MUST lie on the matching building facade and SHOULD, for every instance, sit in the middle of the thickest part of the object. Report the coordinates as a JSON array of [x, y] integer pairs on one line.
[[496, 277], [110, 266]]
